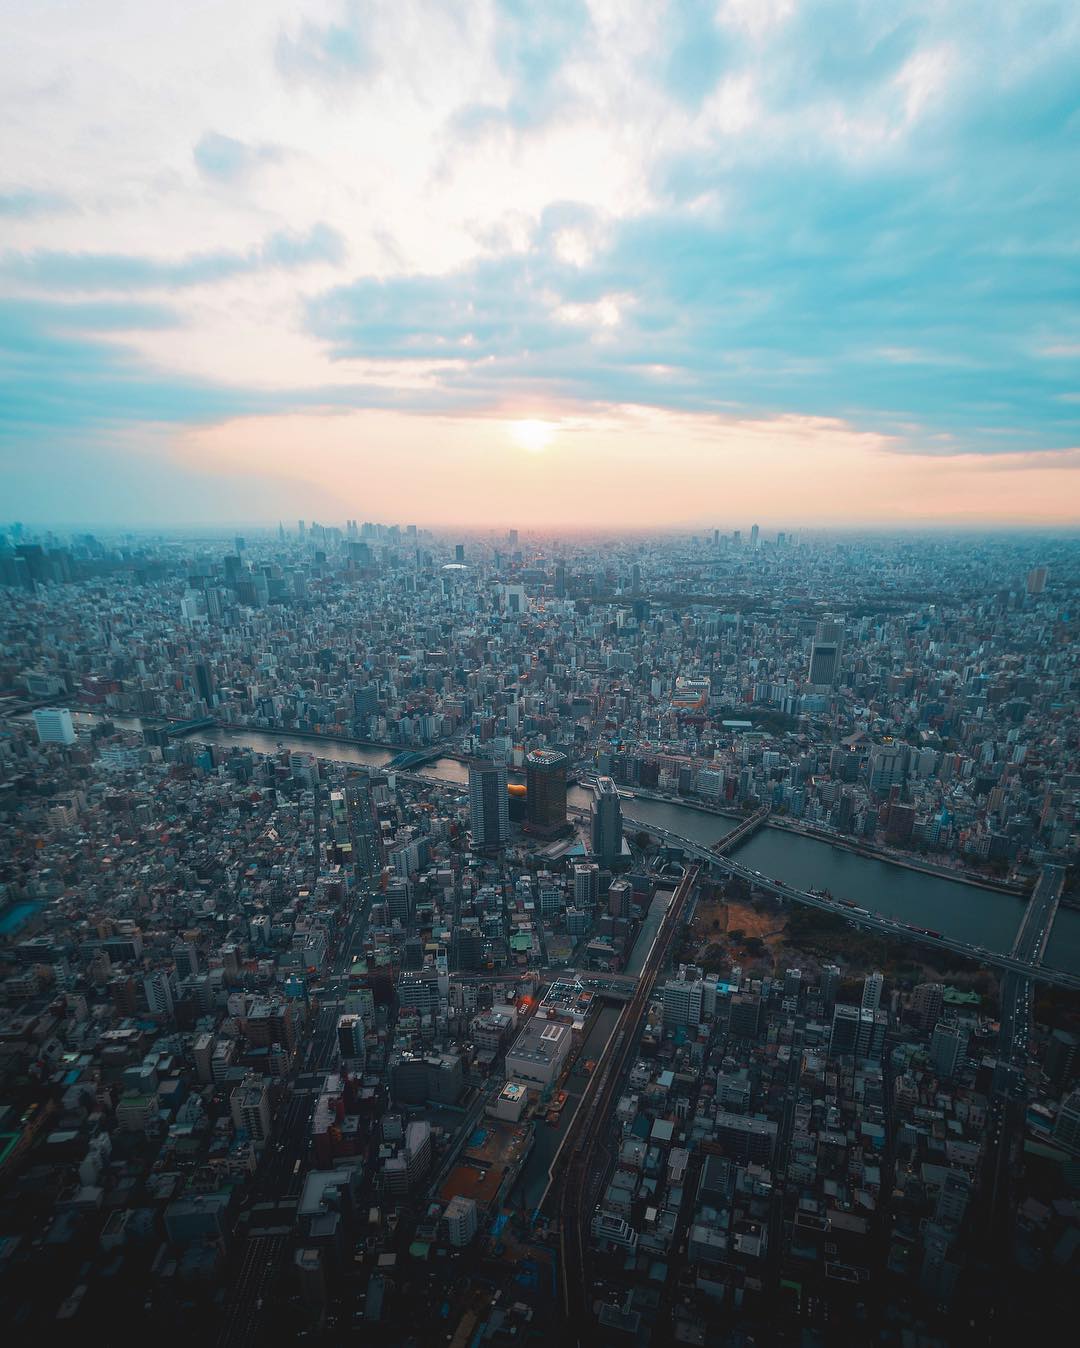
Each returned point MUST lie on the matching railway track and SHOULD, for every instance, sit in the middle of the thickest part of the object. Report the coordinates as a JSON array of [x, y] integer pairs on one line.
[[580, 1179]]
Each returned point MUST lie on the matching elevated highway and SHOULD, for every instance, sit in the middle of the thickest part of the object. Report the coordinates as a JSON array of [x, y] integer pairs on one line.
[[1024, 959]]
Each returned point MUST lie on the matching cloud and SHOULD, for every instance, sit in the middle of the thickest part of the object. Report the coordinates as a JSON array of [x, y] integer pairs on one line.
[[326, 54], [845, 212], [27, 203], [118, 271], [228, 160], [697, 53]]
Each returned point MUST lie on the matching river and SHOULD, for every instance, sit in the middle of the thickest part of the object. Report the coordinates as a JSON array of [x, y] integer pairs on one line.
[[967, 912]]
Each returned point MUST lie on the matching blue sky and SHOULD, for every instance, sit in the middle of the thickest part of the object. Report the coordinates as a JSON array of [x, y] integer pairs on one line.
[[815, 263]]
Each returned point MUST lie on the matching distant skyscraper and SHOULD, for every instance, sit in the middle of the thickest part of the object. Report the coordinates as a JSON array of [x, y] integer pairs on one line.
[[607, 828], [871, 992], [459, 552], [489, 804], [825, 653], [545, 777], [830, 978], [1036, 580], [54, 725], [755, 534]]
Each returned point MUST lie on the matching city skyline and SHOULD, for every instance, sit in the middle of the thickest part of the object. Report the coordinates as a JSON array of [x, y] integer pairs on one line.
[[595, 267]]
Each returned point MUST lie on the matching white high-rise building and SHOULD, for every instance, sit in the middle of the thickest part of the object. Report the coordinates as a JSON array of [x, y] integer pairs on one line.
[[159, 987], [54, 725], [871, 992], [461, 1219]]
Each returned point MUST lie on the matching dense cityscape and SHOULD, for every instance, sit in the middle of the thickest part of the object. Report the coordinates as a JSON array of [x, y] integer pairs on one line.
[[415, 937]]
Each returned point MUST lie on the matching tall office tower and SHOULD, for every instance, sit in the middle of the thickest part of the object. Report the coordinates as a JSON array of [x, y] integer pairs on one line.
[[545, 779], [459, 552], [825, 653], [54, 725], [512, 537], [489, 804], [736, 537], [755, 534], [586, 886], [1036, 580], [830, 979], [204, 681], [560, 580], [927, 1004], [948, 1044], [607, 829], [792, 982], [350, 1035], [871, 992]]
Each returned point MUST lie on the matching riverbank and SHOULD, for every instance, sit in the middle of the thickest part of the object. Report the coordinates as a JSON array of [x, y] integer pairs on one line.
[[861, 849]]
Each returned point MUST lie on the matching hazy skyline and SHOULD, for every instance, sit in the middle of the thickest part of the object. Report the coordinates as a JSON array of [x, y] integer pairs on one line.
[[566, 266]]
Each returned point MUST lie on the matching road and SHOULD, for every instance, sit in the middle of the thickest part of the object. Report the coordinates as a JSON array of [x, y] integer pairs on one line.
[[586, 1137]]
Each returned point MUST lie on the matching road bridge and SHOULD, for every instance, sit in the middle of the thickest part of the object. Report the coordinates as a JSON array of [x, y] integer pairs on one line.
[[740, 834], [1017, 961]]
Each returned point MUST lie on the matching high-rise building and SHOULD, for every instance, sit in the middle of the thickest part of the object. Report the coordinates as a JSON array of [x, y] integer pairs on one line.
[[250, 1106], [54, 725], [871, 991], [825, 653], [350, 1034], [1036, 580], [682, 999], [857, 1031], [158, 987], [460, 1217], [586, 886], [927, 1004], [607, 828], [830, 978], [755, 534], [489, 804], [947, 1046], [545, 779], [204, 682]]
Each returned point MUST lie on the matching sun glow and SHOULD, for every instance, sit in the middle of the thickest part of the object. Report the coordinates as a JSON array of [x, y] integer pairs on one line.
[[535, 436]]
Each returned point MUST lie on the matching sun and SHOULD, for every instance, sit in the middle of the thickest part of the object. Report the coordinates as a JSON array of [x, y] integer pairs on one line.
[[535, 436]]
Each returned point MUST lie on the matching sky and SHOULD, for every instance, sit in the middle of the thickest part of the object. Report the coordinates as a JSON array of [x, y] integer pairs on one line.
[[584, 263]]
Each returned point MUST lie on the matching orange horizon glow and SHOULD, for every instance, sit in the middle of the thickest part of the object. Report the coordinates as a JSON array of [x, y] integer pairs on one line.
[[629, 467]]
